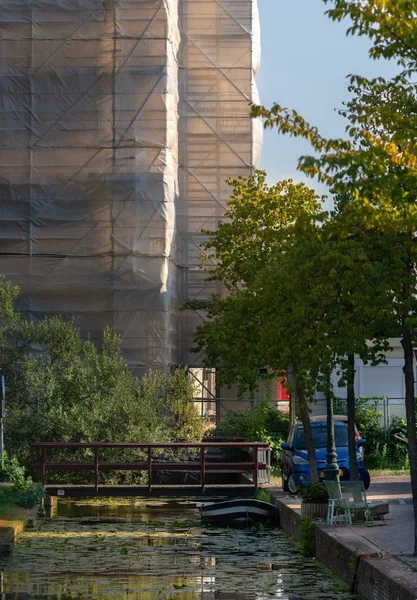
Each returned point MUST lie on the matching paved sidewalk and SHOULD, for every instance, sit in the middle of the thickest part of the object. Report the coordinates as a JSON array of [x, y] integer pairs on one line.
[[397, 535], [375, 560]]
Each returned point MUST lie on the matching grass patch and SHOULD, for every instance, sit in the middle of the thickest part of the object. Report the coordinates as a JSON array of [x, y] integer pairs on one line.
[[388, 472], [9, 508], [263, 495]]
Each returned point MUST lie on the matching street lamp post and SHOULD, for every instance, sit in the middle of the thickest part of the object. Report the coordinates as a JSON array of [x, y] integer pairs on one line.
[[331, 470]]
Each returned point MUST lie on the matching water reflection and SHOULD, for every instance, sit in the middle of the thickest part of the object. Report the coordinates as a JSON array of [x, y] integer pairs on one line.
[[156, 551]]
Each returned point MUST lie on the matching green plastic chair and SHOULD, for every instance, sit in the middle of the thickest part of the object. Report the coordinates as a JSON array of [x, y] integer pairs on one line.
[[346, 499], [334, 507]]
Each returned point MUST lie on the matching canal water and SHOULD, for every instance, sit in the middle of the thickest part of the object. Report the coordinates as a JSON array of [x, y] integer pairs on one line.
[[157, 550]]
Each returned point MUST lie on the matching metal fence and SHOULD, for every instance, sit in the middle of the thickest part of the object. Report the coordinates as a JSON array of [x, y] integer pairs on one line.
[[388, 408]]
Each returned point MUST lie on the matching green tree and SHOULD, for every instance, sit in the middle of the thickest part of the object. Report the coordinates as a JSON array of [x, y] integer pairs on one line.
[[374, 170], [61, 387], [298, 291], [260, 220], [262, 226]]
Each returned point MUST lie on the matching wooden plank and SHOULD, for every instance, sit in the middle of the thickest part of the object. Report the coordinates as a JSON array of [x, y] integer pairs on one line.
[[163, 466]]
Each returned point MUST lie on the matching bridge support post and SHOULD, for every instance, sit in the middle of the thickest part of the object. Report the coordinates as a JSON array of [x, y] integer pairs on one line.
[[96, 468], [203, 469], [149, 469], [44, 466], [256, 464]]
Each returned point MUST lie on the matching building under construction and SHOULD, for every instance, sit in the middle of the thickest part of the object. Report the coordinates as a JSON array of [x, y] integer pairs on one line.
[[120, 122]]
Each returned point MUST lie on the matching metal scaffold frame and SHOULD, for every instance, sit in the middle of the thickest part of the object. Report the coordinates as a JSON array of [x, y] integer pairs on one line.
[[119, 123]]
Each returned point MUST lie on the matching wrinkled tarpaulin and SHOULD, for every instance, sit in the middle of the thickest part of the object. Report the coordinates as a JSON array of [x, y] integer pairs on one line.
[[120, 121]]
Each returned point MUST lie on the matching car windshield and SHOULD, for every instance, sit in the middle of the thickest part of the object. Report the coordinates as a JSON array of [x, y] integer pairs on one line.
[[320, 437]]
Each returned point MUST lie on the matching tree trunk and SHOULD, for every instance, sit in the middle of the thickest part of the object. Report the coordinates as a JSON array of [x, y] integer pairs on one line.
[[305, 419], [407, 344], [353, 461]]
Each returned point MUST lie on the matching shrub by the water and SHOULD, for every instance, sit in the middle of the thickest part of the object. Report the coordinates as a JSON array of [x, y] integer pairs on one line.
[[382, 450], [262, 424], [313, 492], [263, 495], [24, 492], [307, 543]]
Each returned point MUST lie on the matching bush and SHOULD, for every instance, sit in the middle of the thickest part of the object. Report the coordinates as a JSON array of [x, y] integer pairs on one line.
[[307, 543], [11, 471], [313, 492], [382, 450], [24, 493], [263, 496], [264, 424], [64, 389]]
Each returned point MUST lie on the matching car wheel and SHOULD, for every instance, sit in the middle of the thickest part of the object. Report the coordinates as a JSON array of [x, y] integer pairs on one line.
[[366, 479], [284, 484], [292, 486]]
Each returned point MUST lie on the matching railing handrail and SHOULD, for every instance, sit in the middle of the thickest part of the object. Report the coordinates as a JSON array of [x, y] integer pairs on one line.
[[255, 464], [150, 445]]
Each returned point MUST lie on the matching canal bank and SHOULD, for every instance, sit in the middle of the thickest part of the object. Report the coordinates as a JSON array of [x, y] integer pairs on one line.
[[366, 558]]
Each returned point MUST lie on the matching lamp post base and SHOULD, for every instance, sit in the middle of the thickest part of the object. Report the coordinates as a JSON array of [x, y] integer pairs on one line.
[[331, 472]]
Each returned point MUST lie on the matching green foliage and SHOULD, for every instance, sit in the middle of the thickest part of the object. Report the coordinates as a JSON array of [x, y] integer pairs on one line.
[[373, 173], [65, 389], [23, 493], [61, 387], [263, 495], [182, 418], [313, 492], [382, 450], [259, 219], [307, 543], [11, 471], [262, 424], [387, 23], [31, 497], [258, 528], [262, 224]]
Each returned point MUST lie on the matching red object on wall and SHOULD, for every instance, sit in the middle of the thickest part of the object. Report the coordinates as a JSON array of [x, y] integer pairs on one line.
[[282, 390]]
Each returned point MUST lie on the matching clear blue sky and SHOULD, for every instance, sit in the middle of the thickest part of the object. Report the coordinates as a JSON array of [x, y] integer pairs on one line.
[[305, 60]]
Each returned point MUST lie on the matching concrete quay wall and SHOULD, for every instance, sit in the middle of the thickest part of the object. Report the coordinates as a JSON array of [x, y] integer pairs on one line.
[[372, 574]]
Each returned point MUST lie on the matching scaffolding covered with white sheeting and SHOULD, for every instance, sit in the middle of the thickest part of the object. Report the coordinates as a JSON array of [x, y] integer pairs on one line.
[[120, 121]]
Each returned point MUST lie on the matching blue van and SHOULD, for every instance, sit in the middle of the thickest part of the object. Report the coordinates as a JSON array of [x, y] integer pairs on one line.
[[294, 462]]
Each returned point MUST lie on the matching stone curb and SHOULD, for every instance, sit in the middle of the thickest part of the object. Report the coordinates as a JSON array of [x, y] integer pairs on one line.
[[372, 574], [10, 532]]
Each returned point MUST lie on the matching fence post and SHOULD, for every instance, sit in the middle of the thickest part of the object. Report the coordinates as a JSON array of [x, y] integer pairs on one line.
[[269, 465], [96, 467], [44, 465], [149, 469], [203, 468], [255, 471]]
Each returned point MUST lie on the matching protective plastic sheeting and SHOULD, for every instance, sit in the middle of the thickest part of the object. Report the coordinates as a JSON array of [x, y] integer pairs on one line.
[[120, 121]]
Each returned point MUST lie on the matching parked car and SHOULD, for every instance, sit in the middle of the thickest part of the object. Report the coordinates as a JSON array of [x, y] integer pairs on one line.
[[294, 463], [342, 418]]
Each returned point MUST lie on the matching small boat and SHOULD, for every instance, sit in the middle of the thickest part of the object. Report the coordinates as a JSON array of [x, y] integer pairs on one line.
[[241, 511]]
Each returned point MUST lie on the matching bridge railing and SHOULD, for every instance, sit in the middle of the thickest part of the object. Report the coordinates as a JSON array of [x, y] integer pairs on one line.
[[259, 459]]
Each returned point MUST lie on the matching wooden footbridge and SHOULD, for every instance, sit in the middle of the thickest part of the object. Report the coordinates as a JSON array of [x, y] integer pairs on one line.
[[206, 468]]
